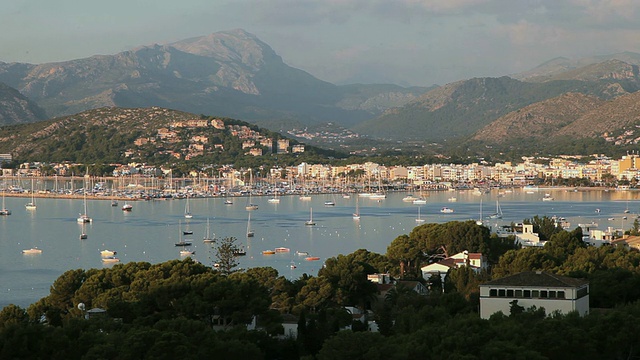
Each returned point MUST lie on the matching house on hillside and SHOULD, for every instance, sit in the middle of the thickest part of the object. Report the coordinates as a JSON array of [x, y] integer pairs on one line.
[[534, 288], [475, 261]]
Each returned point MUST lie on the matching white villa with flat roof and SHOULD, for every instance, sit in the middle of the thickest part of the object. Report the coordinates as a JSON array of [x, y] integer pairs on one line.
[[535, 288]]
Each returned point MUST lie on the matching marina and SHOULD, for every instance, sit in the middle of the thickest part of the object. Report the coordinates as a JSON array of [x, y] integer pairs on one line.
[[151, 231]]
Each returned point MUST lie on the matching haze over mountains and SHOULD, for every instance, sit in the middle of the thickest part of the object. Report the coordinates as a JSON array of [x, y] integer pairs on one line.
[[234, 74]]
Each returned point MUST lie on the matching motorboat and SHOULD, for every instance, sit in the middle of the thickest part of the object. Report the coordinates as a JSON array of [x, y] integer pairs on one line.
[[127, 207], [282, 250], [107, 253], [34, 250], [110, 259], [186, 252], [446, 210], [268, 252]]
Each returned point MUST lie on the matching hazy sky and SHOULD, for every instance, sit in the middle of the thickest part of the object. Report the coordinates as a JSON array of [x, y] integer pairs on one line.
[[406, 42]]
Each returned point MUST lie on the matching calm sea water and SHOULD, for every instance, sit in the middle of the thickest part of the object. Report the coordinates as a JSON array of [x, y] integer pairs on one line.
[[148, 233]]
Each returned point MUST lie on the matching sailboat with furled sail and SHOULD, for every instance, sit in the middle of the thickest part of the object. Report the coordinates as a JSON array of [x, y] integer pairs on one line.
[[32, 204], [4, 210], [84, 217], [356, 215]]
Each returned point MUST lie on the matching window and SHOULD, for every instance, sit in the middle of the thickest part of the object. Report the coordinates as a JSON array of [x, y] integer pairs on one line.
[[518, 293], [543, 294], [527, 293], [501, 293], [561, 295], [535, 293], [552, 294], [509, 293], [493, 292], [582, 292]]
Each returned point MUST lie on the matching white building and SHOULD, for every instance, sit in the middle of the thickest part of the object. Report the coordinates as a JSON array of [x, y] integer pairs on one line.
[[535, 288]]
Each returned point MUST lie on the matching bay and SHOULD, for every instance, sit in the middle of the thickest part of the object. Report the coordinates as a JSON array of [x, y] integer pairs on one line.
[[149, 232]]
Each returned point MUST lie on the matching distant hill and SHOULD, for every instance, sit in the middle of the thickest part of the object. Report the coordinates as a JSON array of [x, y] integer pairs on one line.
[[459, 109], [231, 74], [152, 135], [561, 68], [15, 108]]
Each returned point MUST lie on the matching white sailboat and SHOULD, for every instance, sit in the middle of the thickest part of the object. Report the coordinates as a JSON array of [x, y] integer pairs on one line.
[[32, 204], [498, 213], [479, 221], [4, 210], [187, 209], [207, 238], [419, 219], [356, 215], [250, 205], [275, 199], [84, 217], [310, 222], [250, 232]]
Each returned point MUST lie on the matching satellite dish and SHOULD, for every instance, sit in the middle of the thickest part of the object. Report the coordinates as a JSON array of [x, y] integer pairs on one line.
[[81, 306]]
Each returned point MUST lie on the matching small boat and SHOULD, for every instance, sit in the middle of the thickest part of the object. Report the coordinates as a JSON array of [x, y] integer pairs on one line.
[[302, 253], [346, 196], [186, 252], [187, 232], [32, 251], [107, 253], [110, 259], [114, 203], [453, 199], [127, 207], [310, 222], [312, 258], [268, 252], [282, 249], [547, 197], [83, 236], [356, 215], [240, 252], [329, 203], [446, 210], [273, 200], [409, 198], [84, 218], [228, 202], [251, 207], [419, 201], [305, 197], [293, 265]]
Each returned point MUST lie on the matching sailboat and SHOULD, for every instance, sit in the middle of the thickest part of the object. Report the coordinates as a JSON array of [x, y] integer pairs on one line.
[[4, 210], [84, 218], [182, 242], [187, 209], [250, 205], [310, 222], [498, 213], [421, 200], [250, 232], [32, 204], [356, 215], [479, 221], [305, 195], [207, 238], [275, 199], [419, 219]]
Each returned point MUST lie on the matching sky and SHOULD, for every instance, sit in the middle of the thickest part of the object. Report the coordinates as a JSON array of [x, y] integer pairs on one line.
[[403, 42]]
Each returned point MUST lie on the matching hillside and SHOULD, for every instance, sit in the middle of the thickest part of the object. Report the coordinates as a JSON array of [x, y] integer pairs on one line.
[[458, 110], [153, 135], [15, 108], [231, 74], [538, 121]]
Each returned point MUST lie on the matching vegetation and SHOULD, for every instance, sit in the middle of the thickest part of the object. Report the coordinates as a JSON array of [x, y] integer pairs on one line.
[[183, 309]]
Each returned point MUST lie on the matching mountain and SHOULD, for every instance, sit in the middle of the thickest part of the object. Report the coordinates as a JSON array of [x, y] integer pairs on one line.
[[16, 108], [231, 74], [561, 68], [459, 109]]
